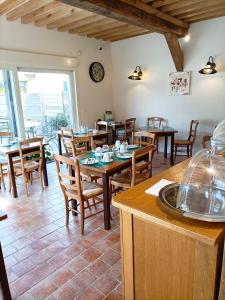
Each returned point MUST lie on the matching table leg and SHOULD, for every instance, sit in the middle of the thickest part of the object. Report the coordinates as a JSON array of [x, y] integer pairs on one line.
[[12, 176], [3, 278], [45, 173], [59, 144], [107, 201], [171, 150], [165, 146]]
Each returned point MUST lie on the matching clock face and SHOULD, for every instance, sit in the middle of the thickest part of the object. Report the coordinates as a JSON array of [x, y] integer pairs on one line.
[[96, 72]]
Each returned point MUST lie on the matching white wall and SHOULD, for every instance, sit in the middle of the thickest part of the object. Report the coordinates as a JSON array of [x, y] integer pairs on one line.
[[93, 98], [150, 96]]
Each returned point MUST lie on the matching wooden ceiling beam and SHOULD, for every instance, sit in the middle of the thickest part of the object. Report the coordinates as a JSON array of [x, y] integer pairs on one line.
[[122, 28], [71, 18], [198, 13], [127, 13], [26, 8], [175, 50], [8, 5], [207, 15], [40, 12], [198, 6], [112, 28], [131, 30], [86, 28], [97, 28], [62, 12], [86, 19], [160, 3], [127, 36], [182, 4], [156, 12]]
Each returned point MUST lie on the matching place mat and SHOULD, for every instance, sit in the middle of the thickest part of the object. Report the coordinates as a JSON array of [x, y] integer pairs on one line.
[[154, 190]]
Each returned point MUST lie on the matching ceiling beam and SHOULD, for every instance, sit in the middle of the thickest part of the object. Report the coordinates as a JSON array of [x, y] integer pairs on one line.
[[9, 5], [129, 14], [175, 50]]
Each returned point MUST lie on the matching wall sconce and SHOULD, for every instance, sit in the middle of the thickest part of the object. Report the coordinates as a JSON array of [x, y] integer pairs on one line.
[[209, 68], [137, 74]]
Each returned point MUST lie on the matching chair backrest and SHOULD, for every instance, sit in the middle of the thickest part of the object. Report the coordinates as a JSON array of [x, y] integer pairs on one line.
[[85, 140], [67, 136], [101, 124], [155, 122], [146, 151], [4, 135], [193, 130], [143, 138], [31, 150], [129, 126], [70, 184]]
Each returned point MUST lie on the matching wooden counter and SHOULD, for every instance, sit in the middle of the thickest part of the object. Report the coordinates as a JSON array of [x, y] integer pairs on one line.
[[166, 256]]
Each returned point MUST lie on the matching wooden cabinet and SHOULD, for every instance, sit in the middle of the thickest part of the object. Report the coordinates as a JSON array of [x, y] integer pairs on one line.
[[165, 257]]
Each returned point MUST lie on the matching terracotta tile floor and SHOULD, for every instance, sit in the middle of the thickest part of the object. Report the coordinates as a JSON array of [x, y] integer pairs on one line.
[[47, 260]]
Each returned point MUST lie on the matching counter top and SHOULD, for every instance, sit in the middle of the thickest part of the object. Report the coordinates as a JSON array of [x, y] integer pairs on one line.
[[145, 206]]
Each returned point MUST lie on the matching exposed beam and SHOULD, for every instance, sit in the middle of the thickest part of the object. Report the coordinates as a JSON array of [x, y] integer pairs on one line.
[[65, 21], [53, 17], [89, 25], [113, 28], [156, 12], [160, 3], [182, 4], [97, 27], [9, 5], [206, 16], [25, 9], [127, 36], [80, 22], [127, 13], [124, 33], [209, 10], [40, 12], [175, 50]]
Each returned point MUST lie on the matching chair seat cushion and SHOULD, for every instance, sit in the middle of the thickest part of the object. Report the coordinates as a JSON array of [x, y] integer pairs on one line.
[[124, 179], [182, 142], [91, 189]]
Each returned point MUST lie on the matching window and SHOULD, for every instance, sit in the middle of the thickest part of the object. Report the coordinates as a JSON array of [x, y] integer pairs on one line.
[[7, 109], [46, 103]]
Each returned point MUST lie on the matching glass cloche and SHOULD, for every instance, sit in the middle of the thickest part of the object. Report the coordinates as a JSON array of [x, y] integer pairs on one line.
[[201, 194], [218, 139]]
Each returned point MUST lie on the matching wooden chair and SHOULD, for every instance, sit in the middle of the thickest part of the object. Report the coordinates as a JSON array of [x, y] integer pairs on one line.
[[31, 161], [75, 189], [101, 125], [127, 180], [126, 133], [155, 122], [67, 135], [3, 160], [144, 138], [179, 145]]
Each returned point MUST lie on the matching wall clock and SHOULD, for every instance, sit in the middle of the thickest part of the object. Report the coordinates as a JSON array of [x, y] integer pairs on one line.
[[96, 71]]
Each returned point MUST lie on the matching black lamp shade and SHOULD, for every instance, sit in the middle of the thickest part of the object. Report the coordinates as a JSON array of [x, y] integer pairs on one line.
[[209, 67], [137, 74]]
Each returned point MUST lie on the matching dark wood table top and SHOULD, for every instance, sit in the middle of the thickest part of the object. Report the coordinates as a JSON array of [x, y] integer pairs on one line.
[[3, 215]]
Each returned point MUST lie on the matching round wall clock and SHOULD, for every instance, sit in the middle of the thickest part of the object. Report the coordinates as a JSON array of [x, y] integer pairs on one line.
[[96, 71]]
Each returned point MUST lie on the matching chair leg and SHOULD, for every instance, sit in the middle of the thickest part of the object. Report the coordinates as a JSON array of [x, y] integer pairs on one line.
[[82, 218], [94, 203], [191, 151], [25, 178], [175, 153], [2, 177], [188, 151], [41, 180]]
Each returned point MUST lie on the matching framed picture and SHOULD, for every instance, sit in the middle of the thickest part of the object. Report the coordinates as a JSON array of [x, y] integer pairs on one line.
[[179, 83]]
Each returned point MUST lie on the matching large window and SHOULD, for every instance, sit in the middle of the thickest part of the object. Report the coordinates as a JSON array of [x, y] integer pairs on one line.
[[46, 103], [7, 109]]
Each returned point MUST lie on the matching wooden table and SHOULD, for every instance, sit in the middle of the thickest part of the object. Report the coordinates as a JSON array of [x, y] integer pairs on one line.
[[166, 256], [105, 171], [3, 275], [12, 152], [99, 134], [166, 132]]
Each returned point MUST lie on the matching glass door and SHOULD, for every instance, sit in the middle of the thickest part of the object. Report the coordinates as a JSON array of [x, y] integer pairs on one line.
[[46, 103]]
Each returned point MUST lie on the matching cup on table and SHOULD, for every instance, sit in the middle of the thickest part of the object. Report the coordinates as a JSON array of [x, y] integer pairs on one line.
[[105, 148], [106, 157], [117, 144], [98, 152]]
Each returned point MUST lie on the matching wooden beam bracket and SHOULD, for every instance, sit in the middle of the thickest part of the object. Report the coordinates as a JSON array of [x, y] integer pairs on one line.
[[175, 50]]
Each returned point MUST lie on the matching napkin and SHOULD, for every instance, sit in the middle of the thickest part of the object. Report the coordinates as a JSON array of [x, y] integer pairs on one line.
[[154, 190]]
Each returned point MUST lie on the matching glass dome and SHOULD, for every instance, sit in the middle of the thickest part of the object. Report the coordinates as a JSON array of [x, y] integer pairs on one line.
[[218, 138], [201, 193]]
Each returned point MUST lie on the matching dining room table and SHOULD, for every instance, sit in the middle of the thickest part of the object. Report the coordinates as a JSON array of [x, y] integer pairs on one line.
[[4, 284], [164, 131], [11, 152], [105, 171], [95, 134]]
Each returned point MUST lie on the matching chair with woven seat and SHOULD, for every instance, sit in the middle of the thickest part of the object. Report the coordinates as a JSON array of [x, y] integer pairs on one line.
[[76, 190], [127, 180], [31, 161], [126, 133], [3, 160], [180, 145], [101, 125], [143, 138], [67, 135]]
